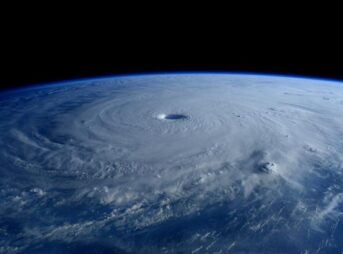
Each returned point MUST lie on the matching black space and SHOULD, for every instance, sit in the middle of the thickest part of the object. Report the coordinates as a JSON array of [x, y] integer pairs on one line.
[[52, 53]]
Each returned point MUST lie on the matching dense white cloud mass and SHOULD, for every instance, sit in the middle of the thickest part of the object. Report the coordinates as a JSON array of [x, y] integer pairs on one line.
[[191, 163]]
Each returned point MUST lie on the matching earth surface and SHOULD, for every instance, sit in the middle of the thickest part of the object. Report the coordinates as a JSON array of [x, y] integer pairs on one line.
[[176, 163]]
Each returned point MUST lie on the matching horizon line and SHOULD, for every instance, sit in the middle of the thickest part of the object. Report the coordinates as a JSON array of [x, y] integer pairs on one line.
[[165, 73]]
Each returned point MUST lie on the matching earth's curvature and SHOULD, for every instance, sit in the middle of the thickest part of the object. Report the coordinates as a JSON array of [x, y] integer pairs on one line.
[[177, 163]]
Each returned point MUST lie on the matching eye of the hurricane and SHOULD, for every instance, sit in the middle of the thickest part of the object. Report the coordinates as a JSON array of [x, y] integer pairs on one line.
[[172, 117]]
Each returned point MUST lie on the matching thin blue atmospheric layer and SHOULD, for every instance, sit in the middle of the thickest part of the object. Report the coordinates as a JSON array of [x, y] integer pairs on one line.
[[109, 77]]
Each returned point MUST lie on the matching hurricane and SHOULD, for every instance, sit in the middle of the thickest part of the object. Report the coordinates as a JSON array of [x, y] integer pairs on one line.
[[173, 163]]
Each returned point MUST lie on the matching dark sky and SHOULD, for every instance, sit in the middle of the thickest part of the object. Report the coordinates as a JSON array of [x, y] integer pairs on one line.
[[52, 53]]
